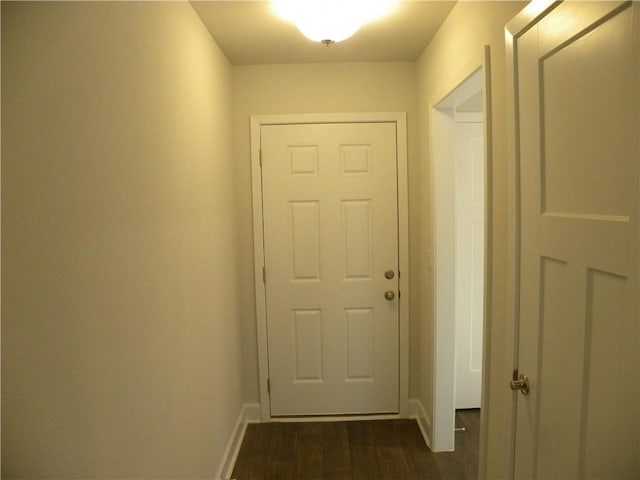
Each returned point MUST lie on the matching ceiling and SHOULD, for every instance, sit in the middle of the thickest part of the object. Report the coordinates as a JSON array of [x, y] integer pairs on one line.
[[250, 33]]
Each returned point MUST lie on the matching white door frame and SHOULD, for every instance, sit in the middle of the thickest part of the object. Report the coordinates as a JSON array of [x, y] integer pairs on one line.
[[400, 119], [443, 214]]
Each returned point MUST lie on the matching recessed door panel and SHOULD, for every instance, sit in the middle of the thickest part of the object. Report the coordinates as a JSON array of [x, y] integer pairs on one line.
[[355, 159], [584, 162], [607, 372], [356, 218], [303, 160], [304, 219], [307, 327], [360, 344]]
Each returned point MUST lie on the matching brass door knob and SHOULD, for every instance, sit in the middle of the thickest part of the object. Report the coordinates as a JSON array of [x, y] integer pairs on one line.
[[521, 384], [389, 295]]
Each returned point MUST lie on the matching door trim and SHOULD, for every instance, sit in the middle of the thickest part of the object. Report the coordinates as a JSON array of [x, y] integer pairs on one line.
[[442, 433], [400, 119], [443, 241]]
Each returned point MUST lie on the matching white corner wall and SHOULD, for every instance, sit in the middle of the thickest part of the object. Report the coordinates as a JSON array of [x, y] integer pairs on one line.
[[455, 52], [121, 350]]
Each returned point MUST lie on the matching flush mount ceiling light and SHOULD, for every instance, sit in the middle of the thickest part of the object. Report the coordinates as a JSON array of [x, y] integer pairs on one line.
[[331, 21]]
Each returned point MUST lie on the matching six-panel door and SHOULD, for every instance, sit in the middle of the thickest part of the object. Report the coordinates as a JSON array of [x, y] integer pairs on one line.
[[330, 235]]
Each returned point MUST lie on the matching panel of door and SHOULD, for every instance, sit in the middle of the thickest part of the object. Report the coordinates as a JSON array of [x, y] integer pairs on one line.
[[331, 263], [469, 259], [577, 84]]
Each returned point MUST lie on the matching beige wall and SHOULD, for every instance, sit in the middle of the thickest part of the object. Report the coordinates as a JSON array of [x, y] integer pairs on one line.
[[454, 53], [127, 228], [312, 88], [120, 339]]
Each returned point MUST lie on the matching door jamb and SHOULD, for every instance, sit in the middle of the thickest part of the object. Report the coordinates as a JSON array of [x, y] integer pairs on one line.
[[443, 192], [444, 354], [400, 119]]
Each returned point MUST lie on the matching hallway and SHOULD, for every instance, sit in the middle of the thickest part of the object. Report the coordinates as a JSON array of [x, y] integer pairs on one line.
[[129, 333], [380, 449]]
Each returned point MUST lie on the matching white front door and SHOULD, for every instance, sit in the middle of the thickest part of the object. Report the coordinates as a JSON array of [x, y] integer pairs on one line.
[[576, 137], [469, 257], [330, 213]]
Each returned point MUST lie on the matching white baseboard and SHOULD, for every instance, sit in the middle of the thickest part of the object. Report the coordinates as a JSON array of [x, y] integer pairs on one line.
[[249, 413], [417, 411]]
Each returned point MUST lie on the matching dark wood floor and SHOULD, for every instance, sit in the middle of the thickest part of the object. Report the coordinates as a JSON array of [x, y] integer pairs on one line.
[[375, 449]]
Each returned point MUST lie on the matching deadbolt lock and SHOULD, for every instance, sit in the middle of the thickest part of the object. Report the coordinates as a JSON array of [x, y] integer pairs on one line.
[[389, 274]]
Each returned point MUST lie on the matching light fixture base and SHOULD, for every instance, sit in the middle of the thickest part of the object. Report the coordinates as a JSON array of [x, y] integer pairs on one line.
[[327, 42]]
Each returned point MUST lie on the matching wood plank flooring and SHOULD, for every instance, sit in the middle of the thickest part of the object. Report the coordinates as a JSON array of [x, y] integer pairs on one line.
[[374, 449]]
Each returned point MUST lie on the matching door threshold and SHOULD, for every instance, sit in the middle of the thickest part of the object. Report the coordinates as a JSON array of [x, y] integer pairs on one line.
[[337, 418]]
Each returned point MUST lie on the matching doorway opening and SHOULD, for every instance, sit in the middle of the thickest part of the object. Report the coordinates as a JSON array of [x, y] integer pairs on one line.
[[302, 163], [460, 214]]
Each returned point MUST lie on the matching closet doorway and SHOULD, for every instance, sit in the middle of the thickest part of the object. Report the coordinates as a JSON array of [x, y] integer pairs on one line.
[[460, 246]]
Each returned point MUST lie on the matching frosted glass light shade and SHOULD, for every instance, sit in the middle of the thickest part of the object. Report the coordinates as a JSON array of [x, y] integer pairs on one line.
[[327, 25], [330, 21]]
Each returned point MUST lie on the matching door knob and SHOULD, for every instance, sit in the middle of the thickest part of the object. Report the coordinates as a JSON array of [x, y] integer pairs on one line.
[[389, 295], [389, 274], [522, 384]]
